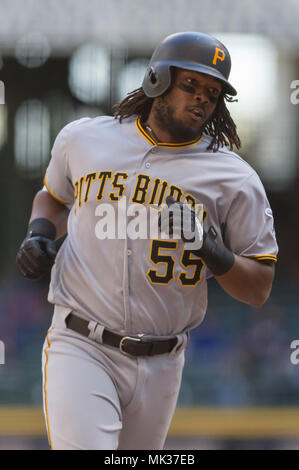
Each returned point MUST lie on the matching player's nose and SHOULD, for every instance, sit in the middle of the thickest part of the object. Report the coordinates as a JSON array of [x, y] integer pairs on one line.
[[202, 97]]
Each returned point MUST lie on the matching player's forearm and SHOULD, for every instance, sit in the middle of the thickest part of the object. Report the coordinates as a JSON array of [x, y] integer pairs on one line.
[[45, 206], [248, 281]]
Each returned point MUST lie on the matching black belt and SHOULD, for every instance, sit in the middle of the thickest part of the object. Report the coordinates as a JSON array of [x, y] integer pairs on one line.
[[134, 345]]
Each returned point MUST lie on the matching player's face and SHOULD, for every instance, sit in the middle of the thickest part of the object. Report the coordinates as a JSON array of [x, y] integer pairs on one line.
[[185, 110]]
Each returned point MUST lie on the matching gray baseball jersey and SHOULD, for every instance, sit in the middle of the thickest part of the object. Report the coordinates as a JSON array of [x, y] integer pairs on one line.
[[147, 285]]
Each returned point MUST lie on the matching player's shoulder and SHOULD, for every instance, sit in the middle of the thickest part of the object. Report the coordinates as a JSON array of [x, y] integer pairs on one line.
[[85, 123], [226, 156], [230, 163], [79, 129]]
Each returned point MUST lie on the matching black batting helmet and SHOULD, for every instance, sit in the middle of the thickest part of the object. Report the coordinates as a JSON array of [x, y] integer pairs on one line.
[[190, 51]]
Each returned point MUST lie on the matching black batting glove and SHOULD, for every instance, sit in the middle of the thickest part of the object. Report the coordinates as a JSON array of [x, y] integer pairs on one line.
[[37, 253], [214, 253]]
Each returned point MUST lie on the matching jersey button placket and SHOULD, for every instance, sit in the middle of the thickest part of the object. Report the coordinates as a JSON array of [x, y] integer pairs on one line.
[[153, 150]]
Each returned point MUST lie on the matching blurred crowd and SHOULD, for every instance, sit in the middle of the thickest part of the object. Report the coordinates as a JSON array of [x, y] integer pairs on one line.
[[240, 356], [24, 320]]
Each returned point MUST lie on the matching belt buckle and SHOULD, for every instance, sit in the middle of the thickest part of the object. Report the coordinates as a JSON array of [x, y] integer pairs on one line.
[[127, 338]]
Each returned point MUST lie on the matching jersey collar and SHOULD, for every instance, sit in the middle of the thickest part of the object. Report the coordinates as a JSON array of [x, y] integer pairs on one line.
[[164, 144]]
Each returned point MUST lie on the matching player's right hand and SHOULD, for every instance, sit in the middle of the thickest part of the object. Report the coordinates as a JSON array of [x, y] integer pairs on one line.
[[36, 257]]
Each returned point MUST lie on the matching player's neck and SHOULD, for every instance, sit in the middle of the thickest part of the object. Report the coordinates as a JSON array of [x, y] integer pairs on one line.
[[155, 133], [158, 133]]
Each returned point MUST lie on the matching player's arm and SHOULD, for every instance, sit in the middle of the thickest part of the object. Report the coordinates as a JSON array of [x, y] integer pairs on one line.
[[47, 207], [47, 224], [249, 231], [248, 280], [49, 211], [245, 279]]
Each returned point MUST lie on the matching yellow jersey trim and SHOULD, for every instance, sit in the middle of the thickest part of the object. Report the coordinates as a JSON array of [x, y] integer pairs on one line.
[[54, 195], [164, 144], [262, 257], [45, 387]]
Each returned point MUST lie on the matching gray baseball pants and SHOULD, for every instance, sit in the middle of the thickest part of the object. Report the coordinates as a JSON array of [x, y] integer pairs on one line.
[[95, 397]]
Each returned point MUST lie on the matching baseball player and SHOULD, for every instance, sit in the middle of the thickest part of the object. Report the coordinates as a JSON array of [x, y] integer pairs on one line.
[[124, 305]]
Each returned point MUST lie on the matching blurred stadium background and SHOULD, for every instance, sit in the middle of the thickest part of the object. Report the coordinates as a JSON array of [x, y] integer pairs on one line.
[[63, 60]]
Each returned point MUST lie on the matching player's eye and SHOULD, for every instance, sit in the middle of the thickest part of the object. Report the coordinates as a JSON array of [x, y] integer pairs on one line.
[[186, 86], [213, 94]]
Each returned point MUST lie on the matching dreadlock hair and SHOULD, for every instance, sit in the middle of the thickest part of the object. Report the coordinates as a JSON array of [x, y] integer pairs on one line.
[[220, 126]]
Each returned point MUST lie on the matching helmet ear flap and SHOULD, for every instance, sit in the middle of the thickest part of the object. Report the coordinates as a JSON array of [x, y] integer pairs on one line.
[[152, 76], [157, 80]]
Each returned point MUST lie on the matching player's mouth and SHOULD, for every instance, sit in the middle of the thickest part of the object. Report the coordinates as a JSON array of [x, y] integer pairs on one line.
[[196, 113]]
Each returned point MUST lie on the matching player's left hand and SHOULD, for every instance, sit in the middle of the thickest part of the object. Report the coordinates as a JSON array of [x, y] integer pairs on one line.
[[180, 220]]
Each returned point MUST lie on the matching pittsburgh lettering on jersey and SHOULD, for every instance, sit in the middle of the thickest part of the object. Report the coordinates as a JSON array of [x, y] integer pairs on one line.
[[141, 188], [112, 185], [108, 186]]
